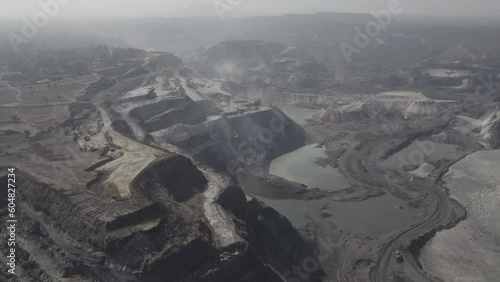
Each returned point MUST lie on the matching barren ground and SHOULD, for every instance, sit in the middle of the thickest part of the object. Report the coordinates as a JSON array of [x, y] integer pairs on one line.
[[470, 251]]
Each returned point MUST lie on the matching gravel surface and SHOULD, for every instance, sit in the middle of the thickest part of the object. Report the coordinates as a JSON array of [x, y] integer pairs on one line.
[[471, 250]]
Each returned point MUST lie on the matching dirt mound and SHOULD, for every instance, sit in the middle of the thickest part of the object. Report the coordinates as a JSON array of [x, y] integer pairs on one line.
[[484, 129], [175, 176], [339, 112]]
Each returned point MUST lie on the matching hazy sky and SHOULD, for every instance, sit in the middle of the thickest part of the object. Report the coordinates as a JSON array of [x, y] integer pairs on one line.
[[104, 8]]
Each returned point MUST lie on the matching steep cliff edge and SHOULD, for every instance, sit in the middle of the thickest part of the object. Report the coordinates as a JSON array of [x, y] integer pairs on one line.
[[172, 228], [225, 142], [96, 204]]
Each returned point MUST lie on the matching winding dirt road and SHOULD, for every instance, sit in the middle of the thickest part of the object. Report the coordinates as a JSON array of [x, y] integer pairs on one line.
[[442, 211]]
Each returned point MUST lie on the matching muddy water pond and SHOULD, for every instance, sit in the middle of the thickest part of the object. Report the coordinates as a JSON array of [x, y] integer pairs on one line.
[[329, 219], [375, 216], [299, 166]]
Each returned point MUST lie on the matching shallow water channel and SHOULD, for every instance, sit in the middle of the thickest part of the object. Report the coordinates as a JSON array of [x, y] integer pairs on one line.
[[374, 216]]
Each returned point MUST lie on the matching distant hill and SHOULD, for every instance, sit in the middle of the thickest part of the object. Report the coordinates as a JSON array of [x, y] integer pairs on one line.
[[195, 10]]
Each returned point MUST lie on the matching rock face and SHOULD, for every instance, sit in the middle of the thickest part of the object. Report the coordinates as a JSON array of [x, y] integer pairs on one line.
[[275, 239], [495, 135], [212, 142], [270, 131], [483, 127], [160, 234], [174, 177], [84, 235], [264, 134], [168, 112], [365, 110], [97, 203]]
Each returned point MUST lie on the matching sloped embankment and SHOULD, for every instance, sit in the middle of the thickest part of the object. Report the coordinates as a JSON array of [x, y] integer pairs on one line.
[[224, 141], [168, 112], [366, 110], [160, 234]]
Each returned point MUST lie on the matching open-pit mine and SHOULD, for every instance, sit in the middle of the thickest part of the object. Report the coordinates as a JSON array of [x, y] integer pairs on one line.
[[254, 154]]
